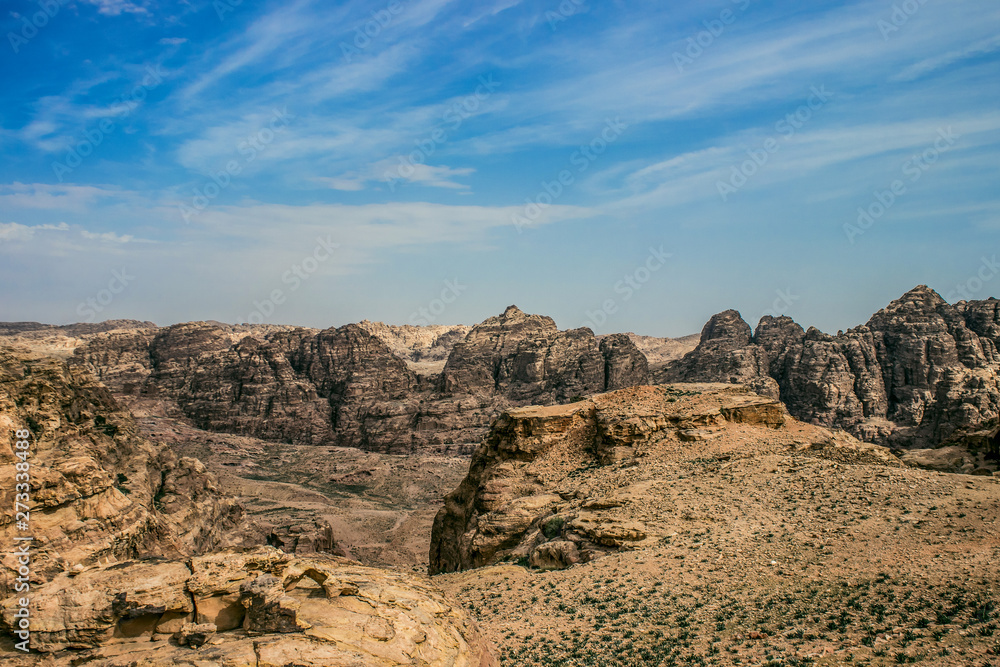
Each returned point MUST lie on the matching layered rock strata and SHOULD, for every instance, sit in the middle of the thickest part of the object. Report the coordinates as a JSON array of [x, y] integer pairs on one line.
[[919, 374], [346, 387], [97, 491], [555, 486], [247, 609]]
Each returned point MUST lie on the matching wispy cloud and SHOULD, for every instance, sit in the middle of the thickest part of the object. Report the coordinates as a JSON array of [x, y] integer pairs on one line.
[[387, 138], [79, 198], [388, 172], [12, 232], [935, 63], [117, 7], [109, 237]]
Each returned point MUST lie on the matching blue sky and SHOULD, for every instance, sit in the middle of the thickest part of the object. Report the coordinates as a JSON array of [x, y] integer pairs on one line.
[[626, 165]]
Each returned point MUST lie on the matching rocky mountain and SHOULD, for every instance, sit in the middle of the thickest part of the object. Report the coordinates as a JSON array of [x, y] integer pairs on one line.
[[128, 559], [346, 387], [529, 360], [919, 374], [71, 330], [246, 609], [661, 351]]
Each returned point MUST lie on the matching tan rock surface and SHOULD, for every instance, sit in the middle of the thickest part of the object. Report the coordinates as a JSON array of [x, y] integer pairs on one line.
[[99, 490], [529, 481], [298, 611], [766, 542]]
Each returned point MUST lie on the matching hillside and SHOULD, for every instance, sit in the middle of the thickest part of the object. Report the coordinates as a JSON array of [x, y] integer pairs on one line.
[[699, 524]]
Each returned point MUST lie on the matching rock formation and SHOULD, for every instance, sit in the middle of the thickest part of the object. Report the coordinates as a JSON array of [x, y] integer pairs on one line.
[[919, 374], [346, 387], [251, 608], [420, 346], [661, 351], [98, 491], [554, 486]]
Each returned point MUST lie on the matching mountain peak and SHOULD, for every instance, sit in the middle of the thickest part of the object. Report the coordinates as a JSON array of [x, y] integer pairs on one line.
[[513, 311]]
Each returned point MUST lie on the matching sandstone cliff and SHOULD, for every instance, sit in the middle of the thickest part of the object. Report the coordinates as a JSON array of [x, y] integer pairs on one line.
[[919, 374], [423, 348], [555, 486], [98, 491], [346, 387]]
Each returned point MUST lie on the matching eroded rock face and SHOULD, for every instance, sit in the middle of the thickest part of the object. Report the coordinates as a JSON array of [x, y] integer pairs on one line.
[[920, 373], [261, 607], [624, 364], [526, 358], [99, 491], [347, 387], [723, 355], [534, 486]]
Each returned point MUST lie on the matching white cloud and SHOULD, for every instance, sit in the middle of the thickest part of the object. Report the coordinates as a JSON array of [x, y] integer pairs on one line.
[[108, 237], [366, 230], [117, 7], [43, 196], [388, 173], [257, 43], [13, 232]]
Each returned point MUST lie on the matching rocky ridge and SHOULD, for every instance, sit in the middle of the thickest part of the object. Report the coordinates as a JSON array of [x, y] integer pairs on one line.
[[701, 524], [346, 387], [921, 373]]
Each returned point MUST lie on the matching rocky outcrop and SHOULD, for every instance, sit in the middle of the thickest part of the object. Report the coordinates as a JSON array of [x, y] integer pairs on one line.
[[661, 351], [261, 607], [98, 491], [624, 364], [920, 372], [554, 486], [723, 354], [346, 387], [526, 358]]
